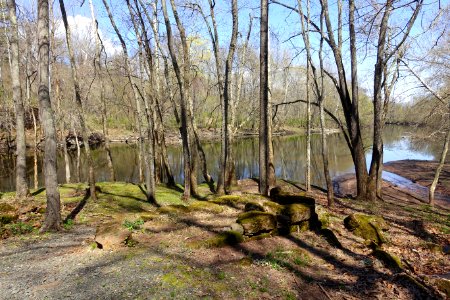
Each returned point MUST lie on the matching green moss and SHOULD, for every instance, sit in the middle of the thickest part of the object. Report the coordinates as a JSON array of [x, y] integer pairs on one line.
[[389, 260], [173, 209], [283, 197], [229, 200], [298, 212], [172, 280], [255, 222], [206, 206], [222, 239], [272, 207], [367, 226]]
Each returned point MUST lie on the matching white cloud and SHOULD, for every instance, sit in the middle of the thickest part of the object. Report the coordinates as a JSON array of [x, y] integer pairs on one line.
[[83, 34]]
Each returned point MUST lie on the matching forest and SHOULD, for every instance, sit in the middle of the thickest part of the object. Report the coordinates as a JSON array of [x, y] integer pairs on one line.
[[241, 149]]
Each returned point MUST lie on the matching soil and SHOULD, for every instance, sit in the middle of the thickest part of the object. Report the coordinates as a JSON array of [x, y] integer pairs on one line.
[[172, 254]]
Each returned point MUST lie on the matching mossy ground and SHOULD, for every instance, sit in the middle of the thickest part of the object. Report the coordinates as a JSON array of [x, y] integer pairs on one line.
[[185, 250]]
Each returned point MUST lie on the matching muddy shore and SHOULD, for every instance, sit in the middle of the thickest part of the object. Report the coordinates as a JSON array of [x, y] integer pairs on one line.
[[406, 180]]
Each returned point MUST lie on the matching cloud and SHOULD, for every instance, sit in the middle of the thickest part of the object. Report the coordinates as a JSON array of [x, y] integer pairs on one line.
[[83, 34]]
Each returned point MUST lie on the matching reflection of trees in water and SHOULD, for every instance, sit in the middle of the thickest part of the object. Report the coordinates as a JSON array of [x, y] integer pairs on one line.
[[290, 158]]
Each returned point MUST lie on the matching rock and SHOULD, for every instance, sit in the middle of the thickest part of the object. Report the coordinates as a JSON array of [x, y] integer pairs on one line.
[[109, 236], [237, 227], [253, 206], [298, 212], [389, 260], [367, 226], [256, 222], [323, 216], [281, 197], [272, 207]]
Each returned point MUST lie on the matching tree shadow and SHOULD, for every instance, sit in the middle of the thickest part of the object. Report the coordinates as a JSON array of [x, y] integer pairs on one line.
[[38, 191], [79, 207]]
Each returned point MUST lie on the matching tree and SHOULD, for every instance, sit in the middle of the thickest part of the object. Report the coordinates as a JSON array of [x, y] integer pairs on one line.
[[264, 113], [21, 168], [98, 71], [78, 102], [181, 80], [53, 211]]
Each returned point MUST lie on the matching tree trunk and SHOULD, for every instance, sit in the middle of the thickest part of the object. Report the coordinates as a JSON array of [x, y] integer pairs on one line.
[[374, 178], [79, 104], [53, 211], [227, 165], [35, 150], [264, 102], [98, 68], [439, 169], [21, 167], [184, 111]]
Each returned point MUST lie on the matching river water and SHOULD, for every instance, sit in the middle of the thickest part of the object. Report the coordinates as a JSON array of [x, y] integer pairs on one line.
[[290, 158]]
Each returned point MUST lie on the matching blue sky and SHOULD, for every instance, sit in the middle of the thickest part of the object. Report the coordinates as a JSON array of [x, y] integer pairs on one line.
[[283, 25]]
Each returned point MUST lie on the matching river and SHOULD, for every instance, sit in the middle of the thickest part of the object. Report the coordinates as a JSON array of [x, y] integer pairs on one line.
[[290, 158]]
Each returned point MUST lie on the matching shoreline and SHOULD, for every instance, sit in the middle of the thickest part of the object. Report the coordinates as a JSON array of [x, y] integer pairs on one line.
[[418, 174]]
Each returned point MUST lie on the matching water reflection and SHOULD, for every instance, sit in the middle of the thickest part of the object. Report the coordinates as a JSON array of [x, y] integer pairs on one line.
[[289, 151]]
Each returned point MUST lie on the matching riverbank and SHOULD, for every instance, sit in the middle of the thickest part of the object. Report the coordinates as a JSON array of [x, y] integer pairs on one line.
[[405, 180], [122, 247], [172, 136]]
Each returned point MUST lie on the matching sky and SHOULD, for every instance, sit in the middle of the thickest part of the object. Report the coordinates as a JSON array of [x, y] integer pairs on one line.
[[283, 24]]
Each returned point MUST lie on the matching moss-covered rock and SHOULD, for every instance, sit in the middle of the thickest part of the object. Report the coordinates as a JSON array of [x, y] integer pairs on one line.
[[367, 226], [253, 206], [323, 216], [229, 200], [256, 222], [298, 212], [282, 197], [206, 206], [225, 238], [389, 260], [272, 207]]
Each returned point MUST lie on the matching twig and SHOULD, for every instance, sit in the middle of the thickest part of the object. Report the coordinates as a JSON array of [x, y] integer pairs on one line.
[[325, 292]]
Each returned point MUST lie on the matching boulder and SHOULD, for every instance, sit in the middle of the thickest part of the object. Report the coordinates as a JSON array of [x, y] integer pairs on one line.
[[368, 227], [298, 212], [112, 235], [256, 222], [252, 206], [281, 197], [323, 216]]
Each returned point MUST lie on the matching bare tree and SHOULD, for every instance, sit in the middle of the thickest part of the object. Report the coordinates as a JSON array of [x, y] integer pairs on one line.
[[53, 212], [184, 130], [21, 168], [264, 138], [98, 71], [78, 102]]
